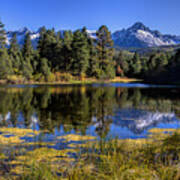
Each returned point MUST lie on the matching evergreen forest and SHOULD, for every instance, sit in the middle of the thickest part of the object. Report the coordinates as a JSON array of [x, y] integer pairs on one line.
[[74, 55]]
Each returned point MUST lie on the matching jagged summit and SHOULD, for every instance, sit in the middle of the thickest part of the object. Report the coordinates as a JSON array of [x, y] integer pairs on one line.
[[139, 26], [23, 30]]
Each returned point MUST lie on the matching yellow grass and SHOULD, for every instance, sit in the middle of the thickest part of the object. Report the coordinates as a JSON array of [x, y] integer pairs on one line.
[[60, 160], [124, 80], [74, 137], [78, 81]]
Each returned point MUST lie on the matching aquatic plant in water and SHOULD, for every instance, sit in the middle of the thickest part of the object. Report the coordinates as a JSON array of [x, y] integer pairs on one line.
[[84, 157]]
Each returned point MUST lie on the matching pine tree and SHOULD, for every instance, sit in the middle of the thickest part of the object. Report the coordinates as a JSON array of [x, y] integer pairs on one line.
[[57, 61], [80, 53], [152, 63], [41, 42], [67, 59], [36, 61], [28, 56], [27, 70], [15, 54], [2, 35], [44, 68], [162, 60], [47, 46], [144, 62], [93, 67], [157, 60], [5, 64], [27, 49], [136, 64], [105, 53], [120, 64]]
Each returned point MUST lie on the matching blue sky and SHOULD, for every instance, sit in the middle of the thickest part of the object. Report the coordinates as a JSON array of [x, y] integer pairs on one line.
[[163, 15]]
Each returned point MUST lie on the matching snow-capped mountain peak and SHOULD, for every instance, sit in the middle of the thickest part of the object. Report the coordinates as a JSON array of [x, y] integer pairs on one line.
[[136, 36], [20, 34], [138, 26], [141, 36]]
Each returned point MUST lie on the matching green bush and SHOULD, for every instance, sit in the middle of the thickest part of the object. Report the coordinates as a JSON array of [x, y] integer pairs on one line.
[[51, 78], [37, 77]]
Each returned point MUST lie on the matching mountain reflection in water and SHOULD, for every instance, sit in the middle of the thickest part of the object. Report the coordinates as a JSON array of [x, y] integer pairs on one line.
[[103, 111]]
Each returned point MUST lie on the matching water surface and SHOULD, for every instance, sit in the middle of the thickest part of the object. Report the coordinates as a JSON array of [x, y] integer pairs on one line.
[[105, 111]]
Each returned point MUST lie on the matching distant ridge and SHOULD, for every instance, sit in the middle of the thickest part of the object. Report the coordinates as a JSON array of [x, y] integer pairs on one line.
[[136, 36]]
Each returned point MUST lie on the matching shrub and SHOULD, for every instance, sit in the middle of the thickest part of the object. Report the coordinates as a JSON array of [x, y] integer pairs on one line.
[[37, 77], [51, 77], [15, 79], [82, 76], [63, 76]]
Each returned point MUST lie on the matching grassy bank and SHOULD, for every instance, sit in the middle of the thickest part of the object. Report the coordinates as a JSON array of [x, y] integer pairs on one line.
[[70, 81], [154, 158]]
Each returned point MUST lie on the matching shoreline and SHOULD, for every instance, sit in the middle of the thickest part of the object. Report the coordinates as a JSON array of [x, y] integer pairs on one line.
[[73, 82], [91, 81]]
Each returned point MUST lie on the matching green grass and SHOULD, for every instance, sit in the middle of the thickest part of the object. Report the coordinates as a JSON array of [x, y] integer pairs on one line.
[[121, 160], [154, 158]]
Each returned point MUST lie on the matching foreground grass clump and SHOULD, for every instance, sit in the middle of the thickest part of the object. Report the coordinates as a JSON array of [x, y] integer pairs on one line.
[[21, 159], [131, 160], [154, 158], [151, 159], [11, 136]]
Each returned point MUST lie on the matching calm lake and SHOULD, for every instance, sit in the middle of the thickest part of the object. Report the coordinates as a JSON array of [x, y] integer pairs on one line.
[[105, 111]]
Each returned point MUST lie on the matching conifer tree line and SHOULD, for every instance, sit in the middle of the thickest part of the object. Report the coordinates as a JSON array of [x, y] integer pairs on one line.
[[144, 66], [74, 54], [63, 56]]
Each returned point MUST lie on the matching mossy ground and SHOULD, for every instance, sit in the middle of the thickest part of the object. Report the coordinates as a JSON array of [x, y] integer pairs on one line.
[[157, 157]]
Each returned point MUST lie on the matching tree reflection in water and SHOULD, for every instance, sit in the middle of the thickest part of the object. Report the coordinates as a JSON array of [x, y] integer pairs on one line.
[[77, 107]]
